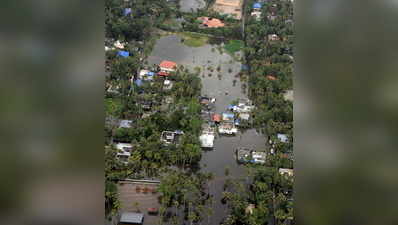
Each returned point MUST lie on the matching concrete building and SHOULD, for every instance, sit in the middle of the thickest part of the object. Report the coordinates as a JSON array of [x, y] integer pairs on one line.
[[167, 67], [132, 218]]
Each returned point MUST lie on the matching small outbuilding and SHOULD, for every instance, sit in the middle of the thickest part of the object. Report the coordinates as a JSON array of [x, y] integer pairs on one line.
[[123, 54], [282, 137], [132, 218], [257, 6]]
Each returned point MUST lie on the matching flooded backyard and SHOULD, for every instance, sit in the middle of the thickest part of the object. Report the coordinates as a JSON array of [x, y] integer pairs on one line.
[[219, 85]]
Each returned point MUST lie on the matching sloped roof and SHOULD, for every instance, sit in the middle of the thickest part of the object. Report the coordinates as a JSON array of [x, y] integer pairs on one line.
[[168, 64], [211, 22], [257, 5]]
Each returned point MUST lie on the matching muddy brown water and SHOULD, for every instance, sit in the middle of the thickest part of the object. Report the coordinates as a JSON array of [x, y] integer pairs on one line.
[[222, 156]]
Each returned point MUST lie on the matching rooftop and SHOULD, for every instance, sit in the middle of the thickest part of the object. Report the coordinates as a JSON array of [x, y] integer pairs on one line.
[[288, 95], [168, 64], [282, 137], [284, 171], [123, 54], [125, 123], [129, 217], [211, 22], [257, 5]]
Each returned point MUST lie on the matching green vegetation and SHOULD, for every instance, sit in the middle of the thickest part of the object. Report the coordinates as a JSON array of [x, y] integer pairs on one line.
[[152, 110], [270, 193], [233, 46], [113, 106], [194, 39]]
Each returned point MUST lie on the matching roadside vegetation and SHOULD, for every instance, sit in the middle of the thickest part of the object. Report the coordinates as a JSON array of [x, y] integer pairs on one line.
[[150, 110]]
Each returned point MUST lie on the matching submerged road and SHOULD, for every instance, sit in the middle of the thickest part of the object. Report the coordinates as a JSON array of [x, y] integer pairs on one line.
[[222, 156], [214, 84]]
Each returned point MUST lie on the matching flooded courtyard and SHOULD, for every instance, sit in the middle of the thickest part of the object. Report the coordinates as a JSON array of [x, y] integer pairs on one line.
[[220, 85]]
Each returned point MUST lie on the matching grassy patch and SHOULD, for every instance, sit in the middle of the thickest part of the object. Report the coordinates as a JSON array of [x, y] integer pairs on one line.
[[233, 46], [194, 39], [113, 106]]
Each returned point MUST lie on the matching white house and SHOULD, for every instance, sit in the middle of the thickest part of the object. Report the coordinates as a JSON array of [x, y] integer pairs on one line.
[[288, 172]]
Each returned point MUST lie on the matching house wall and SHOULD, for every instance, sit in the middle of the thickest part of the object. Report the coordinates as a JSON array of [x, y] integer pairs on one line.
[[163, 69]]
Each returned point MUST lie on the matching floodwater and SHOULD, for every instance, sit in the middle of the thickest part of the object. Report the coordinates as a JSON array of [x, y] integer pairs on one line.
[[222, 156], [188, 5]]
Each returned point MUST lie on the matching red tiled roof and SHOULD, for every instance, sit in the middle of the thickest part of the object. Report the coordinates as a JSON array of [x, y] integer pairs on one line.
[[168, 64], [211, 22], [270, 77], [217, 117]]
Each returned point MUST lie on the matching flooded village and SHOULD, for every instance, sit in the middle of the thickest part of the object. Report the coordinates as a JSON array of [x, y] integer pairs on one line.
[[201, 144]]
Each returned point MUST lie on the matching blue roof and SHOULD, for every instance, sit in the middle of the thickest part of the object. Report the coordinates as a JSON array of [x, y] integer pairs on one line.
[[123, 54], [127, 11], [231, 106], [229, 115], [257, 5], [150, 74], [138, 82]]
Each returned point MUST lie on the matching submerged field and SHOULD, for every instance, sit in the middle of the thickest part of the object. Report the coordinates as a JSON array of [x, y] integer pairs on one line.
[[193, 39]]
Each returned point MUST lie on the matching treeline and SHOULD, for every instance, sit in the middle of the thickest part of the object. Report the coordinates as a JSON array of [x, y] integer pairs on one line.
[[231, 30], [150, 108], [269, 57]]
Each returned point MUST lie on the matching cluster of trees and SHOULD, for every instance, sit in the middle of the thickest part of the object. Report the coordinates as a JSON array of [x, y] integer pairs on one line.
[[270, 65], [186, 197], [150, 157], [138, 24], [267, 198], [270, 77], [231, 30], [124, 99]]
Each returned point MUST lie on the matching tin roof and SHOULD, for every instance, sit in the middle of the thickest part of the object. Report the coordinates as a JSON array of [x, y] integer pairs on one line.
[[129, 217]]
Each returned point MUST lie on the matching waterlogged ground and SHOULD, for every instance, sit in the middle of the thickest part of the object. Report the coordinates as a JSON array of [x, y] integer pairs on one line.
[[215, 161], [188, 5]]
